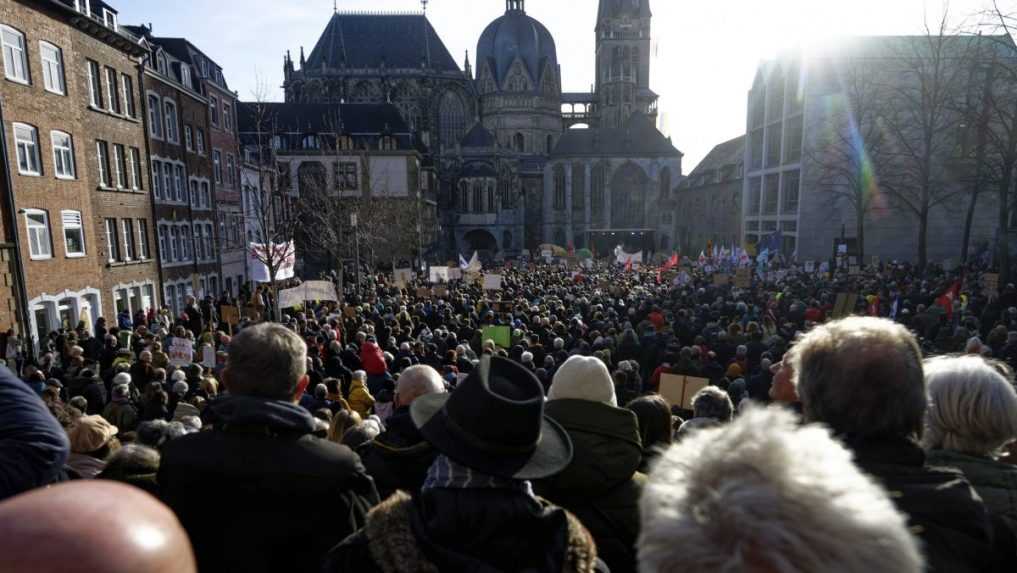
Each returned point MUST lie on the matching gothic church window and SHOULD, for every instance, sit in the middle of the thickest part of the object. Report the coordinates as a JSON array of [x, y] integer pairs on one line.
[[478, 197], [464, 197], [452, 119], [559, 188], [665, 183], [597, 190], [578, 187], [519, 142]]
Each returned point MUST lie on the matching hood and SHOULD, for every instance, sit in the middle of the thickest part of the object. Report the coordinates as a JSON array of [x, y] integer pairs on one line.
[[606, 445], [276, 415]]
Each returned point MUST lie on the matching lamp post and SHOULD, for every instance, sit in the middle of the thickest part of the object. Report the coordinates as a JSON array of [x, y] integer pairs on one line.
[[356, 243]]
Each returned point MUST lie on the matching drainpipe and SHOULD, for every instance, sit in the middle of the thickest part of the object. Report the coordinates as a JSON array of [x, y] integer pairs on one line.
[[20, 277]]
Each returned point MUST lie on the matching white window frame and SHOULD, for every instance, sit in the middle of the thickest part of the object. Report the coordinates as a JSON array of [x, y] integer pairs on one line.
[[30, 226], [113, 103], [172, 130], [185, 76], [155, 122], [217, 166], [30, 150], [105, 167], [79, 225], [134, 154], [189, 138], [63, 154], [126, 81], [94, 81], [120, 166], [127, 230], [52, 64], [167, 179], [213, 104], [109, 18], [15, 56], [179, 184], [83, 6], [231, 166], [112, 240], [206, 194], [227, 116], [200, 140], [163, 242], [144, 249], [156, 167]]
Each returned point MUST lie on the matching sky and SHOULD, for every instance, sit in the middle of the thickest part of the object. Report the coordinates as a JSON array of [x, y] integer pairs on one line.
[[707, 51]]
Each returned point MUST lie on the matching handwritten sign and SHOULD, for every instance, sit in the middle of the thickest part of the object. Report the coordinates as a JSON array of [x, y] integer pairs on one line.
[[721, 279], [679, 390], [743, 278], [492, 282], [230, 315], [310, 290], [180, 352], [439, 274]]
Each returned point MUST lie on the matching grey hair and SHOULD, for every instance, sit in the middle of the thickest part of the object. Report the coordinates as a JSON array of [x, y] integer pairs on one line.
[[360, 375], [862, 376], [712, 402], [266, 361], [972, 406], [417, 381], [763, 493]]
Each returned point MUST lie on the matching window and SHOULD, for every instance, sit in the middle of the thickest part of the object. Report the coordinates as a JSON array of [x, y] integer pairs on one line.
[[209, 241], [790, 196], [163, 243], [180, 186], [112, 91], [773, 140], [189, 138], [109, 18], [755, 196], [129, 242], [102, 153], [39, 245], [185, 243], [171, 122], [227, 116], [155, 116], [199, 242], [83, 6], [230, 168], [26, 139], [559, 188], [136, 181], [772, 195], [793, 140], [175, 252], [201, 141], [94, 84], [452, 119], [213, 105], [157, 178], [144, 251], [217, 165], [206, 194], [120, 163], [112, 242], [74, 234], [52, 68], [348, 176], [167, 182], [15, 57], [185, 76], [195, 199], [63, 155], [128, 87]]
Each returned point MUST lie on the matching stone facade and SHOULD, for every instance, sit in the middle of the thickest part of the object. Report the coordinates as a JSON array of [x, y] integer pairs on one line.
[[708, 202]]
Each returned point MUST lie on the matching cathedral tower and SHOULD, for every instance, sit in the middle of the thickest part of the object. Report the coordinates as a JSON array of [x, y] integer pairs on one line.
[[623, 61]]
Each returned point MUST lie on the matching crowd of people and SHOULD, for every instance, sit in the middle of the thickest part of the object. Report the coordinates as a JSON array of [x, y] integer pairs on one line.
[[388, 433]]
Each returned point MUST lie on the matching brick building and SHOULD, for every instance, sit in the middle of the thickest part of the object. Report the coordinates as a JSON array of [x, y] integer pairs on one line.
[[708, 201], [55, 163], [183, 194]]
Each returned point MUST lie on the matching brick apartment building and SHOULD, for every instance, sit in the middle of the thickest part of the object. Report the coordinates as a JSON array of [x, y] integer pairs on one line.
[[183, 192], [74, 157]]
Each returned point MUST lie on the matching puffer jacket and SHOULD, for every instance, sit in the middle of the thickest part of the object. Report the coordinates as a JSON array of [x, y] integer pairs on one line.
[[360, 399], [373, 359], [602, 485]]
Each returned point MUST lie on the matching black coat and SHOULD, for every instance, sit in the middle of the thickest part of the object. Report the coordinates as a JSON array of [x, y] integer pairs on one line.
[[398, 459], [258, 493], [941, 506], [459, 531], [92, 390]]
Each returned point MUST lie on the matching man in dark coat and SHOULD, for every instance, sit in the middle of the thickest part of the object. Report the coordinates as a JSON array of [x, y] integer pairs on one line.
[[476, 510], [259, 493], [863, 378], [398, 459], [33, 446], [89, 386], [195, 320]]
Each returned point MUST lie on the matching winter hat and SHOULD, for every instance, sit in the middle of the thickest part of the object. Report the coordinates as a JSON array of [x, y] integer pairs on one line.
[[583, 378], [122, 378], [121, 393], [90, 433], [178, 376], [734, 371]]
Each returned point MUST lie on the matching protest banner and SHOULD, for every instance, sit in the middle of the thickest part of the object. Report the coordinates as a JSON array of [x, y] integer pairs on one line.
[[441, 292], [501, 335], [810, 266], [743, 278], [284, 255], [455, 274], [492, 282], [423, 292], [230, 315], [721, 279], [990, 282], [439, 274], [679, 390], [180, 352], [310, 290], [208, 356]]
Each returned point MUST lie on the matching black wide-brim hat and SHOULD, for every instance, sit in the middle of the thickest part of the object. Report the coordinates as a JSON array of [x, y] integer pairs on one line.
[[494, 423]]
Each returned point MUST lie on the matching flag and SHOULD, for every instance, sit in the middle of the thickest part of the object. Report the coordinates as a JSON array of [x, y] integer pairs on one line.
[[874, 305], [474, 265], [671, 263], [947, 299], [462, 262], [895, 307], [702, 258], [628, 265], [660, 277]]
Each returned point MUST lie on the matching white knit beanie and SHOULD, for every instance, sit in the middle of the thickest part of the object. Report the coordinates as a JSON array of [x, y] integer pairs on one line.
[[582, 378]]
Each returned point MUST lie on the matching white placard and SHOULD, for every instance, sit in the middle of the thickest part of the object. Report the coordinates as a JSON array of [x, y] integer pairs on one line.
[[180, 352], [311, 290], [403, 277], [439, 274], [455, 274], [208, 356], [492, 282]]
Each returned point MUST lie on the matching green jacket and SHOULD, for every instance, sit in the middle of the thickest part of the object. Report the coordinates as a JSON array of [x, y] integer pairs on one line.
[[602, 485], [995, 482]]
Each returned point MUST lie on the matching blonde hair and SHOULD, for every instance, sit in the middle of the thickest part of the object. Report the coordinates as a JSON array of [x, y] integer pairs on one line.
[[342, 422], [972, 406]]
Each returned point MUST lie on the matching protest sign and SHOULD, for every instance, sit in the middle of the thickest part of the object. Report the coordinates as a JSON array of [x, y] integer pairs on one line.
[[455, 274], [310, 290], [990, 282], [230, 315], [810, 266], [743, 278], [180, 352], [678, 390], [403, 277], [441, 292], [721, 279], [439, 274], [208, 356], [492, 282], [423, 292], [501, 335]]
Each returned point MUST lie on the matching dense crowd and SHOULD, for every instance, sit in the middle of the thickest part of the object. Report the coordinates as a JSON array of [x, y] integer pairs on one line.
[[390, 433]]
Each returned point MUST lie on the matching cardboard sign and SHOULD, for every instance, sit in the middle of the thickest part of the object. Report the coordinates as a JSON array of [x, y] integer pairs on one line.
[[679, 390], [743, 278], [721, 279], [455, 274], [441, 292], [403, 277], [439, 274], [492, 282], [501, 335], [208, 357], [991, 284], [845, 305], [180, 352], [230, 315], [875, 260], [423, 292]]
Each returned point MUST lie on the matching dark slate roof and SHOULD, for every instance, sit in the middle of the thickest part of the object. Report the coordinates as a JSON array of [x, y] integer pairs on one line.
[[478, 169], [364, 41], [616, 8], [478, 136], [516, 35], [578, 97], [322, 118], [731, 152], [637, 138]]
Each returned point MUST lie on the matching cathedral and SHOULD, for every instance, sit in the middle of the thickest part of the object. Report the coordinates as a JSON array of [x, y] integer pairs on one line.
[[517, 162]]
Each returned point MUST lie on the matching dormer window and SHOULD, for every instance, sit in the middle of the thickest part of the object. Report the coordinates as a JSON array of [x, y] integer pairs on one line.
[[185, 76], [109, 18], [160, 63], [83, 6]]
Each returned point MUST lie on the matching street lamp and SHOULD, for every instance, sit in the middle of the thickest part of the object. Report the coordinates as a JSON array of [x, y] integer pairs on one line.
[[356, 242]]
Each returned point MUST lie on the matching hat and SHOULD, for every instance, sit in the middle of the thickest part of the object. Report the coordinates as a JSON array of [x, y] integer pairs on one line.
[[178, 376], [90, 433], [734, 371], [494, 423], [583, 378]]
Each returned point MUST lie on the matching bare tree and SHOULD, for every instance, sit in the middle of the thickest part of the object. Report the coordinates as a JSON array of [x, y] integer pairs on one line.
[[852, 152], [922, 123]]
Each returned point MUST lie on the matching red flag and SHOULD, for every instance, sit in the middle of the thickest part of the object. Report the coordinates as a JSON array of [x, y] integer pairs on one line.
[[946, 301], [874, 306], [628, 265]]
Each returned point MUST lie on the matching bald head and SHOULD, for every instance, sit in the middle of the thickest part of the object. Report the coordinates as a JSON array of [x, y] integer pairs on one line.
[[97, 525], [416, 381]]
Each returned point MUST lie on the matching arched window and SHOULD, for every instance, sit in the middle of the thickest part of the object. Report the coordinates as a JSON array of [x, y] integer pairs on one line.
[[491, 205], [464, 197], [578, 188], [519, 142], [665, 183], [452, 119], [597, 190], [478, 196], [507, 195], [550, 144], [559, 188]]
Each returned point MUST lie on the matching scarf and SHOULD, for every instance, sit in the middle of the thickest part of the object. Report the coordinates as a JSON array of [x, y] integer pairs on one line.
[[445, 473]]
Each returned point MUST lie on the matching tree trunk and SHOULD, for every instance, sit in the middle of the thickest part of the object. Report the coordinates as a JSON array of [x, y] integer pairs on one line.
[[966, 241], [1003, 236], [923, 236]]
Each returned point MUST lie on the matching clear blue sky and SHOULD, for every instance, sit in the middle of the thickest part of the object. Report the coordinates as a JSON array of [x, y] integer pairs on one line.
[[707, 50]]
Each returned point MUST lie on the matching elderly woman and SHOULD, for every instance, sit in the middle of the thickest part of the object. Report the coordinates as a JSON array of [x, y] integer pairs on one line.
[[711, 407], [972, 417]]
